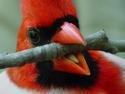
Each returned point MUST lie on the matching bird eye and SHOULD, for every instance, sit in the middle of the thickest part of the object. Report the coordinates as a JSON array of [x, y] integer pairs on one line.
[[34, 35]]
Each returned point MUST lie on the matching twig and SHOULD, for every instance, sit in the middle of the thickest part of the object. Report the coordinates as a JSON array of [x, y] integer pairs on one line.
[[97, 41], [100, 41], [42, 53]]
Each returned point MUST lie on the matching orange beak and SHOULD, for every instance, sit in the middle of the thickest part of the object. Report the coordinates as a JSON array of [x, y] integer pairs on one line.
[[72, 63]]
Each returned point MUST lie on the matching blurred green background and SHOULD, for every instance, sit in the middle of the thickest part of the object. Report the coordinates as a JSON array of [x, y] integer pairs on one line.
[[93, 14]]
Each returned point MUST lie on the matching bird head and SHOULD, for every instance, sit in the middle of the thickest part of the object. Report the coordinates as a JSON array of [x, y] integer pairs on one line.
[[54, 21]]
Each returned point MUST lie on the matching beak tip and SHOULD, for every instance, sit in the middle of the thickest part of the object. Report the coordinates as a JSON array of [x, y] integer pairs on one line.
[[83, 43], [88, 74]]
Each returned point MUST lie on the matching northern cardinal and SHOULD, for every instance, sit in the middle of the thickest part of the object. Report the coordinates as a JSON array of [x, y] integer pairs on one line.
[[87, 72]]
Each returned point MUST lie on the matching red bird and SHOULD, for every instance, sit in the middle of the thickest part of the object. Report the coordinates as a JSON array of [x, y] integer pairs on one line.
[[87, 72]]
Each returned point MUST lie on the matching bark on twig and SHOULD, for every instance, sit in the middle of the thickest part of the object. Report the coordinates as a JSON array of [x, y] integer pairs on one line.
[[100, 41], [42, 53], [97, 41]]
